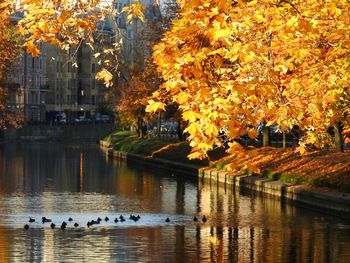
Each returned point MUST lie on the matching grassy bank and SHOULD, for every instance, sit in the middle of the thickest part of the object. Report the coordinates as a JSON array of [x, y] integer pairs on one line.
[[315, 169], [168, 149]]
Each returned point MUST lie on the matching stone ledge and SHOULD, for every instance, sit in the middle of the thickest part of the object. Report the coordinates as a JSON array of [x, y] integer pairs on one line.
[[186, 169], [332, 201]]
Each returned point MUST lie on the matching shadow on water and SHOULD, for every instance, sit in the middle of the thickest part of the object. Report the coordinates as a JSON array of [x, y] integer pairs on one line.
[[61, 181]]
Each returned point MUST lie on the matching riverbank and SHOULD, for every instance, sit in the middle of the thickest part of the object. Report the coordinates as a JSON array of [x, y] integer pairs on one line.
[[296, 188], [62, 133]]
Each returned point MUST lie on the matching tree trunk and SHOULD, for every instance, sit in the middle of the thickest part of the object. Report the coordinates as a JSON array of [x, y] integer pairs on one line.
[[159, 123], [338, 138], [284, 140], [266, 136], [179, 131], [139, 127]]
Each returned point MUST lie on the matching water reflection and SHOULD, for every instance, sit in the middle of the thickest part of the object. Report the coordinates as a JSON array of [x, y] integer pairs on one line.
[[59, 181]]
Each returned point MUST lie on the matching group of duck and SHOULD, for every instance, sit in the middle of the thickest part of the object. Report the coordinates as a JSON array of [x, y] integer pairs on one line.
[[121, 218]]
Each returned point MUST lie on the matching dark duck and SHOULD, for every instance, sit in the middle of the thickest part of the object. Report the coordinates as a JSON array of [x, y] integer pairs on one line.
[[45, 220]]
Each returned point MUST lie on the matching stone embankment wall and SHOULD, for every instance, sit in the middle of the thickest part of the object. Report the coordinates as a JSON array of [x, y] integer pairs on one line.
[[328, 201], [331, 202], [84, 132]]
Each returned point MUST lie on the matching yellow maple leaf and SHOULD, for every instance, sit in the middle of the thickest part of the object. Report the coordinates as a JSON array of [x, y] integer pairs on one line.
[[300, 149], [155, 106], [190, 116], [195, 155], [105, 76]]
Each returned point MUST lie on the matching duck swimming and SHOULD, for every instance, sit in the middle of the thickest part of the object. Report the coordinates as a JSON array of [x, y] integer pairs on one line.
[[167, 220], [52, 225], [63, 225], [116, 220], [26, 226], [134, 218], [106, 218], [195, 219], [45, 220], [31, 220], [70, 219], [204, 219], [76, 224]]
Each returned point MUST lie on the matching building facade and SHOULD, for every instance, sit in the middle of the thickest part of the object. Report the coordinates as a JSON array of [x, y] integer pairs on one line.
[[72, 84], [26, 86], [65, 80]]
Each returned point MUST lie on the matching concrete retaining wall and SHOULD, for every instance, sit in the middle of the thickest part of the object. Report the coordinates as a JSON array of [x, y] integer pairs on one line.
[[330, 201], [177, 168]]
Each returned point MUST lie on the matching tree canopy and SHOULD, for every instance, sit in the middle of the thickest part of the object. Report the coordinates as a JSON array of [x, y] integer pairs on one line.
[[232, 64]]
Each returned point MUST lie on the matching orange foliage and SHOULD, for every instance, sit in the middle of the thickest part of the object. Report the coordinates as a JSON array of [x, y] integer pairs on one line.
[[231, 64]]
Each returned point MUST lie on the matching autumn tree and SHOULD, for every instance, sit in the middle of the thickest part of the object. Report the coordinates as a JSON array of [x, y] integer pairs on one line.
[[138, 80], [232, 64], [66, 24], [9, 49]]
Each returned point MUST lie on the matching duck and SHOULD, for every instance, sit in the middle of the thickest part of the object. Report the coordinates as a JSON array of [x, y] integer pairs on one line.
[[116, 220], [26, 226], [52, 225], [76, 224], [45, 220], [89, 224], [99, 219], [31, 220], [132, 217], [204, 219], [70, 219], [195, 219], [106, 218], [63, 225], [167, 220], [121, 217]]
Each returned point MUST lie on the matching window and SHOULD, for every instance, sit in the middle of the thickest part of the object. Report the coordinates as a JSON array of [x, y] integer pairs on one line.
[[93, 83], [80, 70], [93, 100], [93, 68]]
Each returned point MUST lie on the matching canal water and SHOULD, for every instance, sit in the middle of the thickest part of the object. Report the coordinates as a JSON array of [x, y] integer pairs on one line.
[[59, 181]]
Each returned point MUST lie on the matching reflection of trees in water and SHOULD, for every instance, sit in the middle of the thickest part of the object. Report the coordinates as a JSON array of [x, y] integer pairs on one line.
[[252, 228], [242, 227]]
